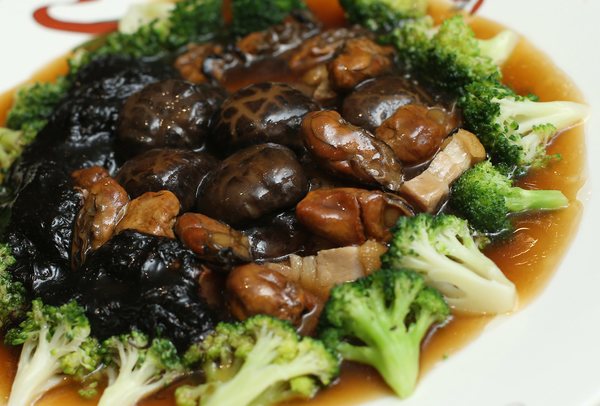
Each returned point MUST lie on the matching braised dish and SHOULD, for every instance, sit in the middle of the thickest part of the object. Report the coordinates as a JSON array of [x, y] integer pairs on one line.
[[234, 207]]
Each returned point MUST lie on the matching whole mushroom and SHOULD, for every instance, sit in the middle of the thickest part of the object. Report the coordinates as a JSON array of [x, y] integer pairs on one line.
[[252, 183], [259, 113], [170, 113], [177, 170]]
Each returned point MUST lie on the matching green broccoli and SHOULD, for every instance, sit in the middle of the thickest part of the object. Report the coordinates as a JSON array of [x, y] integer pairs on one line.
[[12, 143], [449, 56], [139, 14], [485, 197], [12, 294], [382, 15], [260, 361], [381, 320], [442, 249], [56, 341], [29, 113], [31, 109], [189, 21], [33, 105], [137, 368], [250, 16], [515, 130]]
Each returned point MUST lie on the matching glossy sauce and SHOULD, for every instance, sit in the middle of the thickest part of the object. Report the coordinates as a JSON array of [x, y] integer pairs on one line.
[[528, 258]]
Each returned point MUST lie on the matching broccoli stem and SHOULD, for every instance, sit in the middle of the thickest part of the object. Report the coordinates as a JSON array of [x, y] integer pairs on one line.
[[258, 373], [38, 368], [394, 355], [131, 384], [476, 274], [500, 47], [521, 200], [10, 146], [531, 114]]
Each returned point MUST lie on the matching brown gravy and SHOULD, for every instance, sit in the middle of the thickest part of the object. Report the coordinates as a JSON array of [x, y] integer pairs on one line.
[[528, 258]]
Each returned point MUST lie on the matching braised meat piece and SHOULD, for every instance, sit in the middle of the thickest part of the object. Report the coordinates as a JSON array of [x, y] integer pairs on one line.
[[430, 188], [350, 151], [329, 267]]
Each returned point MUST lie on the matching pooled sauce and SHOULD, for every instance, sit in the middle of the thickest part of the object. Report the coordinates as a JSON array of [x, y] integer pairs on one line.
[[528, 258]]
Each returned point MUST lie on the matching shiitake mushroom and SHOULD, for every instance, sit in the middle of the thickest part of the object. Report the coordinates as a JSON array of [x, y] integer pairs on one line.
[[252, 183], [260, 113], [177, 170], [81, 131], [170, 113]]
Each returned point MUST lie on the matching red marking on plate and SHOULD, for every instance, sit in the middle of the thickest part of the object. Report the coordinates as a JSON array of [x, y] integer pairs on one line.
[[42, 17], [476, 6]]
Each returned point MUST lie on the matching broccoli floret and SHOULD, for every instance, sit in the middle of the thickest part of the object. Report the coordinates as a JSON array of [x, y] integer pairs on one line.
[[12, 293], [382, 15], [56, 341], [12, 143], [260, 361], [32, 107], [381, 320], [515, 130], [442, 249], [189, 21], [139, 14], [485, 197], [449, 56], [250, 16], [137, 368]]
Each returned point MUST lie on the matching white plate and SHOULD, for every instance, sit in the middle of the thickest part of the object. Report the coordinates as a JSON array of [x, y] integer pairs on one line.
[[547, 354]]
